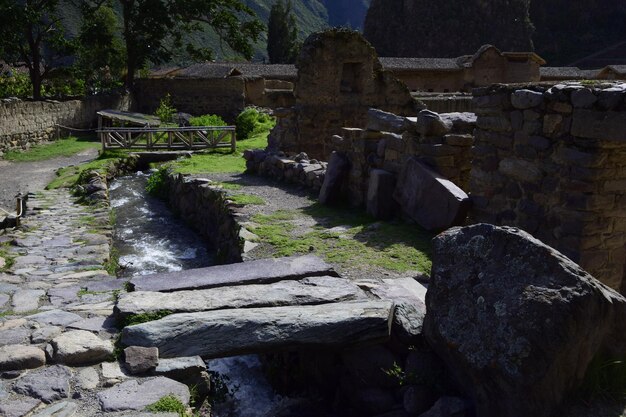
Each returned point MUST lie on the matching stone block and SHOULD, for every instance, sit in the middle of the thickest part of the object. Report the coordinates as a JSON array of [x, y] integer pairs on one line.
[[434, 202], [380, 202], [520, 170], [609, 125], [334, 184], [139, 360], [526, 99], [495, 123], [381, 121]]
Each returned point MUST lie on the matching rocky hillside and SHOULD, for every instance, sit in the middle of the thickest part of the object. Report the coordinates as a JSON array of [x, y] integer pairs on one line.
[[561, 31]]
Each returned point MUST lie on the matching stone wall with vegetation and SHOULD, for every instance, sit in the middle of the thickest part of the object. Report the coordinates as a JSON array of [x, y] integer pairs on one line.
[[26, 123], [552, 161], [222, 96], [209, 212]]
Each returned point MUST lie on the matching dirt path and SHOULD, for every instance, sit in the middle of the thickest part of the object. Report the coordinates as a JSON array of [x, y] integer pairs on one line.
[[33, 176]]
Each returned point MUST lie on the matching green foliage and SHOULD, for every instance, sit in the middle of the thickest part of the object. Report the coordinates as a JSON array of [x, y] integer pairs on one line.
[[100, 58], [282, 34], [62, 147], [246, 199], [207, 120], [9, 258], [154, 30], [219, 390], [133, 319], [112, 265], [391, 246], [157, 183], [32, 34], [605, 379], [169, 403], [251, 122], [165, 111], [69, 177], [15, 84]]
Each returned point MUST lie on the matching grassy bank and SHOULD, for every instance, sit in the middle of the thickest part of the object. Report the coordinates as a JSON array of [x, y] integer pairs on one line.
[[63, 147]]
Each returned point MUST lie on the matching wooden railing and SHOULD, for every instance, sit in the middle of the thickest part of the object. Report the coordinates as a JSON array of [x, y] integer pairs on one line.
[[156, 138]]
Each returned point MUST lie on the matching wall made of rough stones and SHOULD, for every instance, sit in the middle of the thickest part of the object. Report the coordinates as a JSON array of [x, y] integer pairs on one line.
[[339, 79], [26, 123], [208, 211], [222, 96], [552, 161]]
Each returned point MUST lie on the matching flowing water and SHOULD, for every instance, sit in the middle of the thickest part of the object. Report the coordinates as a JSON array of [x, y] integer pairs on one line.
[[150, 239]]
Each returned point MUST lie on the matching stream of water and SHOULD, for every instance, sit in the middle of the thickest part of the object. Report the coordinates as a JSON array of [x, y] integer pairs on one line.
[[150, 239]]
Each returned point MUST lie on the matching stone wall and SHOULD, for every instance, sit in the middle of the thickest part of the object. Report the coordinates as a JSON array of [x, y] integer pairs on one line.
[[25, 123], [441, 141], [339, 79], [208, 211], [552, 161], [222, 96]]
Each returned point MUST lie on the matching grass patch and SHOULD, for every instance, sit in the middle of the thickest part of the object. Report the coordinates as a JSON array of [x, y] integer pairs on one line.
[[68, 177], [168, 404], [63, 147], [360, 241], [9, 258], [133, 319], [112, 265], [605, 379], [221, 159], [157, 184], [246, 199]]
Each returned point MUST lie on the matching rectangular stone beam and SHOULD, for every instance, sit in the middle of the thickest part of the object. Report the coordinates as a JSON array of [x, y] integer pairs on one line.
[[263, 271], [225, 333], [308, 291]]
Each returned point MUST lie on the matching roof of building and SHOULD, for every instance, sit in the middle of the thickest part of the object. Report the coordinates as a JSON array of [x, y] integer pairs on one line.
[[618, 69], [409, 64], [227, 69], [136, 119], [398, 64], [560, 72]]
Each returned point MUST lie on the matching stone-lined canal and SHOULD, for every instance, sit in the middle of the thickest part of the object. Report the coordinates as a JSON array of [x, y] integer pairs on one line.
[[149, 239]]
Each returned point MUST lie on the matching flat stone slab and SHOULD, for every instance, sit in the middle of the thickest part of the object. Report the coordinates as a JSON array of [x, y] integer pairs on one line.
[[314, 290], [55, 317], [138, 394], [26, 300], [263, 271], [225, 333], [18, 357], [49, 384], [80, 347], [62, 409], [18, 408]]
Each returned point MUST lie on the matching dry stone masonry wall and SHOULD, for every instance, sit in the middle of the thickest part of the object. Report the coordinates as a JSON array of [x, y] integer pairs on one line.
[[25, 123], [552, 161]]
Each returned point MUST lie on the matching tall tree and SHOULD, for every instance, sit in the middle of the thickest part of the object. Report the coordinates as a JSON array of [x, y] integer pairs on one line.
[[282, 34], [31, 34], [153, 30], [101, 50]]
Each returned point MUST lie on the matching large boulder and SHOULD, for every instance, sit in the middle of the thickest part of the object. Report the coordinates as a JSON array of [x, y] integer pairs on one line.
[[516, 322], [380, 202], [434, 202]]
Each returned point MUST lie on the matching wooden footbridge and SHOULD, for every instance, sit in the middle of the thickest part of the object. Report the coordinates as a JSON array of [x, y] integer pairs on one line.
[[140, 131]]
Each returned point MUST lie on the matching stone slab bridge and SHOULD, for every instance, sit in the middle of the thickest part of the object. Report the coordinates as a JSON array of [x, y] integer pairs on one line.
[[258, 306]]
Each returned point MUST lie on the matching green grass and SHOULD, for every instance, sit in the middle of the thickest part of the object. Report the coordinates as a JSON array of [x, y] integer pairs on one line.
[[62, 147], [9, 259], [169, 403], [392, 246], [221, 159], [133, 319], [68, 177], [246, 199]]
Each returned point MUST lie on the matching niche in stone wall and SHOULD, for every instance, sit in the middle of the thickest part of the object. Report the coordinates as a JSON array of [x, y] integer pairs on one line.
[[351, 77]]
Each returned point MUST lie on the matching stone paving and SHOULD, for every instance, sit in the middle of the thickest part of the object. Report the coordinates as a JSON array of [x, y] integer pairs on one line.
[[57, 331]]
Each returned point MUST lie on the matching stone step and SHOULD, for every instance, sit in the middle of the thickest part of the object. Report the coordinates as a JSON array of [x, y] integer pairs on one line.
[[308, 291], [263, 271], [224, 333]]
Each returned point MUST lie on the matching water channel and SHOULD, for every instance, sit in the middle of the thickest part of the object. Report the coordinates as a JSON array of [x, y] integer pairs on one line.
[[150, 239]]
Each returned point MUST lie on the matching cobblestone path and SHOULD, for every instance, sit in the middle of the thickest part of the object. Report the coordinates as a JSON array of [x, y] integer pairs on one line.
[[57, 331]]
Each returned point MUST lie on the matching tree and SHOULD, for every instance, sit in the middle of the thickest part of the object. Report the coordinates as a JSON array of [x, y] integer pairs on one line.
[[154, 29], [100, 59], [282, 34], [31, 34]]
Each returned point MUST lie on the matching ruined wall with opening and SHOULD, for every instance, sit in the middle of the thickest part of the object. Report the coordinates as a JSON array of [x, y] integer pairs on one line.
[[339, 79], [26, 123], [552, 161]]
